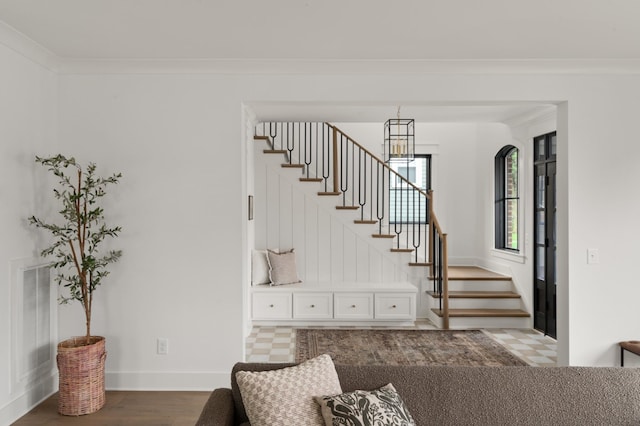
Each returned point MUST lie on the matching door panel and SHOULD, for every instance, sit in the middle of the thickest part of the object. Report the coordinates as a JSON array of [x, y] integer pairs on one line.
[[544, 298]]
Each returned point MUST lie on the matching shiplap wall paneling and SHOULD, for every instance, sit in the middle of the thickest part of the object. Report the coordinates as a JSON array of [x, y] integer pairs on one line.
[[285, 214], [298, 228], [350, 255], [362, 259], [260, 206], [324, 246], [337, 250], [273, 200], [311, 239]]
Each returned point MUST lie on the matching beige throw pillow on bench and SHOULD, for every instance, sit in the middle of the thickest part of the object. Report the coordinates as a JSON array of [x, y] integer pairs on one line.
[[282, 267]]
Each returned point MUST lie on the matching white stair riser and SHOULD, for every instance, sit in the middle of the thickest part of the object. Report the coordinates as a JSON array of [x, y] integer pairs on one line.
[[485, 285], [481, 303], [461, 323]]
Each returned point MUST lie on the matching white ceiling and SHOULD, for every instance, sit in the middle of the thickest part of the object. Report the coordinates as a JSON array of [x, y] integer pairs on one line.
[[330, 29]]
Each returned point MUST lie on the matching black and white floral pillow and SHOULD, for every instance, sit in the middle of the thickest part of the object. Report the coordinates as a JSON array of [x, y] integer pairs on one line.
[[367, 408]]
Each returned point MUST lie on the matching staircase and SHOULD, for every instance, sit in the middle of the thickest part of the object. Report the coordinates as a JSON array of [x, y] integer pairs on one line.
[[356, 183], [480, 298]]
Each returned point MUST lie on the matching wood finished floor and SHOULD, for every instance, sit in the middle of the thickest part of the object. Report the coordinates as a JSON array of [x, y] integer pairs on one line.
[[126, 408]]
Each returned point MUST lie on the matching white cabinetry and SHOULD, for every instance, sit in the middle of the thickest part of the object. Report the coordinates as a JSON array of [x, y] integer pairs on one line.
[[333, 303], [353, 306], [272, 306], [313, 306]]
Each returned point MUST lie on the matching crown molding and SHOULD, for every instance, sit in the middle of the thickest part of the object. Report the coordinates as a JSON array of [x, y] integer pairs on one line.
[[348, 67], [26, 47]]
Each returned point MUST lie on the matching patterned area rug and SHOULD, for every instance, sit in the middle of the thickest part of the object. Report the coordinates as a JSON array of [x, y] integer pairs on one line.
[[404, 347]]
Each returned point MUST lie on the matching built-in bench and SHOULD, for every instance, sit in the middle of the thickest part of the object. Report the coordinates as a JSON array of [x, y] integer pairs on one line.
[[353, 303]]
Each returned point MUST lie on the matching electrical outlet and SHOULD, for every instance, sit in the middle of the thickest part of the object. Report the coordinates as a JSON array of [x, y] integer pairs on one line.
[[593, 256], [163, 346]]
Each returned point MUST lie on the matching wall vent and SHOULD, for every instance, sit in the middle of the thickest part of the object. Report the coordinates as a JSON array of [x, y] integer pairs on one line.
[[33, 319]]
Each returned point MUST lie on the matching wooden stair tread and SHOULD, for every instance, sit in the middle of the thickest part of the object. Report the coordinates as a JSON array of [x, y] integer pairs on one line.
[[311, 179], [420, 263], [474, 273], [329, 193], [365, 222], [292, 166], [274, 151], [261, 138], [401, 250], [483, 313], [347, 207], [383, 235], [478, 295]]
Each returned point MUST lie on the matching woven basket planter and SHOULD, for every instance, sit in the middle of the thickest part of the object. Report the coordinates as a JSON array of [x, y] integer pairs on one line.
[[81, 372]]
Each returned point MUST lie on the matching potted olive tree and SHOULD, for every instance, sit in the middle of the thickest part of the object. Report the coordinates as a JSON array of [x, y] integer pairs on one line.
[[81, 267]]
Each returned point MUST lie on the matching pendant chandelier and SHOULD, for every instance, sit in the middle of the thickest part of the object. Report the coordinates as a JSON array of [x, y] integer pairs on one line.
[[399, 139]]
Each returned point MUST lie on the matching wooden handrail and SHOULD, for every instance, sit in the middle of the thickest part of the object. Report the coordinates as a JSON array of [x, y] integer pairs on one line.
[[445, 283], [336, 167], [336, 130]]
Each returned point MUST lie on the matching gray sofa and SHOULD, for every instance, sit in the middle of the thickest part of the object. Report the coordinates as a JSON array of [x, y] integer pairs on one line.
[[477, 395]]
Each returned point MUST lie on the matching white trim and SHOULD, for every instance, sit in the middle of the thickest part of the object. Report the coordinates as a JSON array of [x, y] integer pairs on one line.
[[350, 67], [508, 255], [25, 402], [23, 45], [167, 380]]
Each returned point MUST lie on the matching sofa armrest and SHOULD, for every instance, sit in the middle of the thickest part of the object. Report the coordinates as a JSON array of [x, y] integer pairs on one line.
[[218, 410]]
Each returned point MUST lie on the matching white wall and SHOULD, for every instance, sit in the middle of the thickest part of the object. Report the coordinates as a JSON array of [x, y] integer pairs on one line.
[[168, 133], [27, 127], [178, 139]]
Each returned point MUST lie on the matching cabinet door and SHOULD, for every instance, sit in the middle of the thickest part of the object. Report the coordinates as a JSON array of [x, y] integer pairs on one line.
[[353, 306], [313, 305], [271, 306], [395, 306]]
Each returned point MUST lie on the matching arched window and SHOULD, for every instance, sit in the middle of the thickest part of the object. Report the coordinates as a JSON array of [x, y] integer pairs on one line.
[[507, 198]]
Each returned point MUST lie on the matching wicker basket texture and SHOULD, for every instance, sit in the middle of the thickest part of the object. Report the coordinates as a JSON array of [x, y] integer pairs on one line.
[[81, 375]]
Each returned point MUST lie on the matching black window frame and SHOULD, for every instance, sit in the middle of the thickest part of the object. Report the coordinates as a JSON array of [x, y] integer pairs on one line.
[[392, 216], [501, 199]]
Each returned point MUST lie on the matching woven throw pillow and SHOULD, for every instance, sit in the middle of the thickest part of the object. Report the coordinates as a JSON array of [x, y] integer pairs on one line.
[[378, 407], [283, 267], [285, 396]]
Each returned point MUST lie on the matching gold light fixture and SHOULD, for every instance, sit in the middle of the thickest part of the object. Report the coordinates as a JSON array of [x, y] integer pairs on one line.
[[399, 139]]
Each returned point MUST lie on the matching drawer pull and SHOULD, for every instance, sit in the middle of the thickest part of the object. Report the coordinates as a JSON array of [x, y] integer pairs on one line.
[[353, 306], [271, 306], [313, 306], [393, 306]]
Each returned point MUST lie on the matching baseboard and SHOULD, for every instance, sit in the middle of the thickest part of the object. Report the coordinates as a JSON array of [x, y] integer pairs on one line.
[[167, 381], [22, 404]]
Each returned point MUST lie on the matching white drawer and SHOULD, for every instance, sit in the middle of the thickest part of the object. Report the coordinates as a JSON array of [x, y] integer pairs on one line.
[[395, 306], [271, 306], [353, 306], [313, 305]]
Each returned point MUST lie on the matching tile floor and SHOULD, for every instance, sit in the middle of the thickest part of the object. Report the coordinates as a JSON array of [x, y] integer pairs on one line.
[[277, 344]]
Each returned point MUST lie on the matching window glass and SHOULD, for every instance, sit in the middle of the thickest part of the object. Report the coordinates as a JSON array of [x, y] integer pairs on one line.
[[406, 205], [507, 198]]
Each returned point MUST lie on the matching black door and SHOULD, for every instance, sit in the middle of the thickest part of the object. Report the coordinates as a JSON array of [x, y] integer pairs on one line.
[[544, 297]]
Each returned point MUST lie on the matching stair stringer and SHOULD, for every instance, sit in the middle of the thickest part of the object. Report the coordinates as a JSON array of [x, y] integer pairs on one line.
[[329, 246]]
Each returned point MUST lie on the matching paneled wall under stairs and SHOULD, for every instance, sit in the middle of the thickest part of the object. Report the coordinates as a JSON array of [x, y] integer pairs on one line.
[[290, 214]]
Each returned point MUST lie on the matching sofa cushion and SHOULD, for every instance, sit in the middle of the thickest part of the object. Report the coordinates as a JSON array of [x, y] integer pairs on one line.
[[285, 396], [381, 406]]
